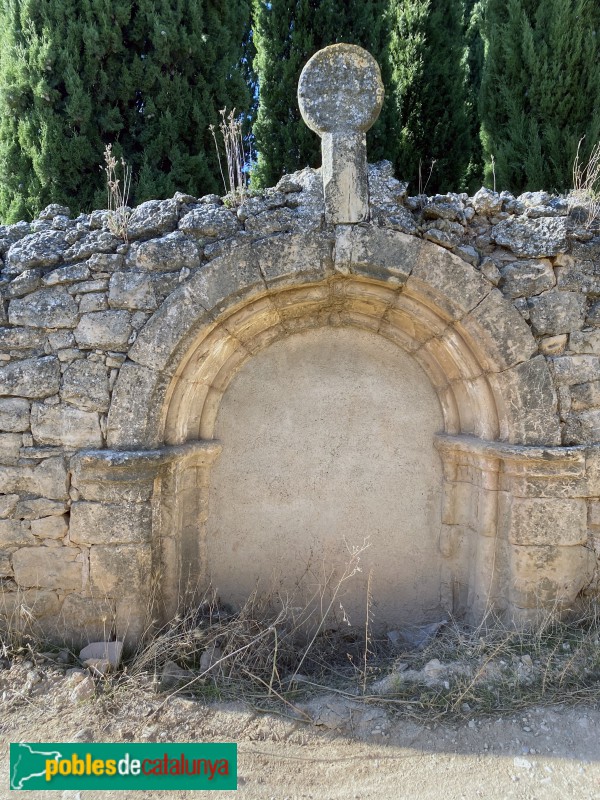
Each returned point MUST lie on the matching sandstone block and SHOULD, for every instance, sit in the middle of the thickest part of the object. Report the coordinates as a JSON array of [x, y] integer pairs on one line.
[[32, 377], [65, 425], [48, 568], [108, 330], [120, 568], [553, 345], [49, 527], [46, 308], [106, 523], [557, 312], [85, 385]]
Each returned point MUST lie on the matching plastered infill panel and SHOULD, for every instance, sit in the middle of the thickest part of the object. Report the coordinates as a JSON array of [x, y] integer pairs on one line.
[[327, 442]]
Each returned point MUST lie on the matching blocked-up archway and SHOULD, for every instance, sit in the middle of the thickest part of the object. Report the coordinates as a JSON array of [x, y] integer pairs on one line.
[[474, 353]]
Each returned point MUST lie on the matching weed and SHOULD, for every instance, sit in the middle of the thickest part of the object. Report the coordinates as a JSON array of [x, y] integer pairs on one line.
[[118, 193], [585, 193], [235, 157]]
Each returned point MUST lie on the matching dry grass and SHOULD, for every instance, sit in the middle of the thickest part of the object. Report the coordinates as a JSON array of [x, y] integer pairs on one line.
[[117, 193], [585, 193], [236, 184]]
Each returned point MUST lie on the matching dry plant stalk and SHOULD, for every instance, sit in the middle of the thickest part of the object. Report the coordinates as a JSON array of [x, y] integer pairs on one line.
[[118, 194], [586, 184], [233, 141]]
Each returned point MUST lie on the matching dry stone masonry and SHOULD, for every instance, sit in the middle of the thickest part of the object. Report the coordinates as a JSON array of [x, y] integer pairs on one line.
[[235, 391]]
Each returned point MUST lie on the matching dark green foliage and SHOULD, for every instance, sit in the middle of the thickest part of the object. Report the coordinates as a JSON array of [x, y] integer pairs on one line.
[[286, 34], [540, 89], [149, 76], [429, 97], [475, 56]]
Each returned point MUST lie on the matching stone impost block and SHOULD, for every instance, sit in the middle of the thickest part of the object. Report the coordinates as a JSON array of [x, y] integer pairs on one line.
[[107, 523], [48, 568]]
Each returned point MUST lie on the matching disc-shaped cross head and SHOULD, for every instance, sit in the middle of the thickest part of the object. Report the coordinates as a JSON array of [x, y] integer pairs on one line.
[[340, 94], [340, 88]]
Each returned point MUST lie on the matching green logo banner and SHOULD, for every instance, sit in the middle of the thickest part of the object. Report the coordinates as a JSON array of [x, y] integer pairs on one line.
[[58, 766]]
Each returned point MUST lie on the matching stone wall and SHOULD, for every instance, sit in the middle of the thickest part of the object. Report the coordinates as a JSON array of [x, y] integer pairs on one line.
[[115, 356]]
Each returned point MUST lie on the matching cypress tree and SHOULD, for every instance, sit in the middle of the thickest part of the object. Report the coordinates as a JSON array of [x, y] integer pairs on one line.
[[149, 76], [427, 52], [540, 90], [286, 34]]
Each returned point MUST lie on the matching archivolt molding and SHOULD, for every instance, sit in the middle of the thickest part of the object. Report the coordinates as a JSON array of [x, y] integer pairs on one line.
[[478, 352]]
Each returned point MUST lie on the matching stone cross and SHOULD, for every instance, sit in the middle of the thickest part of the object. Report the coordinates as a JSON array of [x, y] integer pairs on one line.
[[340, 94]]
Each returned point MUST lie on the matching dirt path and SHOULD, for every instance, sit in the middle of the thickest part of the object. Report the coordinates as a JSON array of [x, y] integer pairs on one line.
[[541, 754]]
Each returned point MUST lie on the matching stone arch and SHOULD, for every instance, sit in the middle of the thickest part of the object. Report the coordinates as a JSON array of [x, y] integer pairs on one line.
[[475, 347]]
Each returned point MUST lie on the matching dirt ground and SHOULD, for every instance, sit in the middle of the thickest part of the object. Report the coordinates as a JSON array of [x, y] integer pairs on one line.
[[540, 754]]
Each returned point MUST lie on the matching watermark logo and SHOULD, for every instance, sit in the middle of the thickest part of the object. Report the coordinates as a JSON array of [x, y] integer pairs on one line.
[[99, 766]]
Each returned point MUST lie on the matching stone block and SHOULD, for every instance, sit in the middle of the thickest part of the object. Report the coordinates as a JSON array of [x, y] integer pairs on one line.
[[104, 330], [381, 254], [6, 570], [170, 253], [130, 424], [294, 259], [505, 335], [85, 385], [48, 568], [106, 523], [27, 603], [532, 238], [94, 242], [84, 619], [14, 533], [132, 291], [210, 222], [14, 414], [48, 479], [68, 274], [553, 345], [49, 527], [587, 341], [10, 446], [37, 250], [8, 505], [547, 575], [527, 403], [65, 425], [585, 396], [569, 370], [119, 569], [38, 507], [21, 339], [527, 278], [46, 308], [23, 284], [32, 377], [582, 428], [557, 312], [548, 521], [153, 218]]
